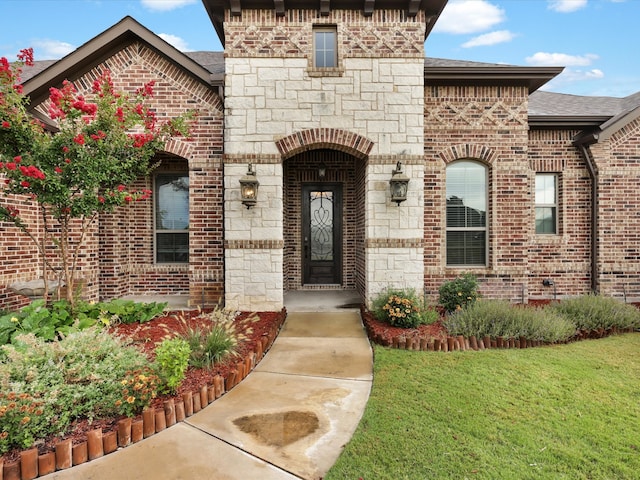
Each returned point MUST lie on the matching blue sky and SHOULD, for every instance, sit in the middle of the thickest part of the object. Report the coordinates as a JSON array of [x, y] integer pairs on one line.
[[594, 39]]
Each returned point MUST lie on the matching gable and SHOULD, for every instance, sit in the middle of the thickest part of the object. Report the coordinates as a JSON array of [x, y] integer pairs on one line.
[[125, 33]]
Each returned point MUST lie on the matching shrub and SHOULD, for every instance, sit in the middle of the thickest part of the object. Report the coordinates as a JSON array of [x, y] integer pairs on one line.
[[495, 318], [591, 312], [139, 387], [22, 420], [46, 322], [218, 339], [123, 311], [402, 308], [458, 293], [57, 319], [79, 376], [172, 360]]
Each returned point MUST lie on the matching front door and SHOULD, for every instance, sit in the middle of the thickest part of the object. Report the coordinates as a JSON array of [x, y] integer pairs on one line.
[[322, 233]]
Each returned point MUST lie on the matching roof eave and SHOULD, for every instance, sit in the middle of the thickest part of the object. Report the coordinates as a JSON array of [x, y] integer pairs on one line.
[[608, 128], [432, 14], [566, 121], [85, 57], [619, 121], [531, 77]]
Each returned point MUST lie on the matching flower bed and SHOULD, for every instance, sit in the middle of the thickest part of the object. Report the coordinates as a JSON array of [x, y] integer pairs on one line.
[[86, 441], [434, 337]]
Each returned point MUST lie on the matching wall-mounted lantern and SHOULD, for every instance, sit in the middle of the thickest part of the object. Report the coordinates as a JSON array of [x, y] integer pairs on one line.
[[249, 188], [322, 171], [399, 184]]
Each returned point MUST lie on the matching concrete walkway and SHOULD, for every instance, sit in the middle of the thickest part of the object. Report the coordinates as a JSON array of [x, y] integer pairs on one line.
[[288, 419]]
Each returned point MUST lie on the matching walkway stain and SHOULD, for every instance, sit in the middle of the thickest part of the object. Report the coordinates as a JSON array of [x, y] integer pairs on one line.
[[278, 429]]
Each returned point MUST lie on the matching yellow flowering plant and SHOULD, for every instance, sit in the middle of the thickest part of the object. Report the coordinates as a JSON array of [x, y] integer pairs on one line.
[[402, 308], [21, 420], [139, 388], [401, 311]]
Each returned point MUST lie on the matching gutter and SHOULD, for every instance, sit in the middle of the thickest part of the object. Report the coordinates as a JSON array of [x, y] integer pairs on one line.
[[593, 173]]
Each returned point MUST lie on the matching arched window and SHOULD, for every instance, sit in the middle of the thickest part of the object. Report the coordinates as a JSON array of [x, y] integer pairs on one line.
[[466, 214]]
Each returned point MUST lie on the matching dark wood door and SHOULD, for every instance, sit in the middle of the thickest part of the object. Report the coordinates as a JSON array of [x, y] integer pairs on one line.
[[322, 233]]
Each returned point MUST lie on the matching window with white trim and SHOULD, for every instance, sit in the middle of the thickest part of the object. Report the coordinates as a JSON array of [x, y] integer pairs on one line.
[[325, 47], [546, 203], [171, 211], [466, 214]]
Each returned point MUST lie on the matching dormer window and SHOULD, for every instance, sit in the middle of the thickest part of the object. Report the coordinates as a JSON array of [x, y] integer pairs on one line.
[[325, 47]]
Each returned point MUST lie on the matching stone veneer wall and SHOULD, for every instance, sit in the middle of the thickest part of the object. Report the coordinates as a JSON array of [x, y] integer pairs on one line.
[[254, 238], [272, 91]]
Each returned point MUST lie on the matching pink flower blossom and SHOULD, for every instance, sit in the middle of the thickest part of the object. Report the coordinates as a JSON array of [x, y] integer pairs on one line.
[[26, 56]]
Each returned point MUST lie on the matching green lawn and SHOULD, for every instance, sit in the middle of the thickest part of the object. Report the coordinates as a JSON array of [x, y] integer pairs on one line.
[[562, 412]]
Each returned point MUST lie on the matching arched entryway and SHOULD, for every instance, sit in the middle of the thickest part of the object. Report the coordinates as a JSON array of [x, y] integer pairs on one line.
[[324, 216]]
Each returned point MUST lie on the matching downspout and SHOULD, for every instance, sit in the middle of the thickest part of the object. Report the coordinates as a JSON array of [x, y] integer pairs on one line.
[[593, 173]]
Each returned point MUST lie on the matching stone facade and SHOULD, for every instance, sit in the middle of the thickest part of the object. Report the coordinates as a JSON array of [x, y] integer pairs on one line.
[[273, 94]]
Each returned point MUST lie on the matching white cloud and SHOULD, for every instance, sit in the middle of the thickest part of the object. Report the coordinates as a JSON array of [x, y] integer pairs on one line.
[[174, 40], [46, 49], [566, 6], [165, 5], [493, 38], [561, 59], [570, 75], [570, 80], [469, 16]]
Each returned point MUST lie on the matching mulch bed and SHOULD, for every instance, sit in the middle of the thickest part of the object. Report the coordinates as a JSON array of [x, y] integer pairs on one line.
[[146, 336], [384, 334]]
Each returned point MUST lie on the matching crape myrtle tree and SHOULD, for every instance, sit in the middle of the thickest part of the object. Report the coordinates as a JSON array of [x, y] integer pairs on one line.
[[79, 169]]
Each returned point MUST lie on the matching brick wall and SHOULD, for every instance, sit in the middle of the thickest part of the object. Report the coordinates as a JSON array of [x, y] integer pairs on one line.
[[128, 265], [618, 162], [489, 125], [19, 259], [565, 258]]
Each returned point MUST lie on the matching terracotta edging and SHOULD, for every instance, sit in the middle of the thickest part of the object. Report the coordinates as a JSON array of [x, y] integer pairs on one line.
[[461, 343], [131, 430]]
